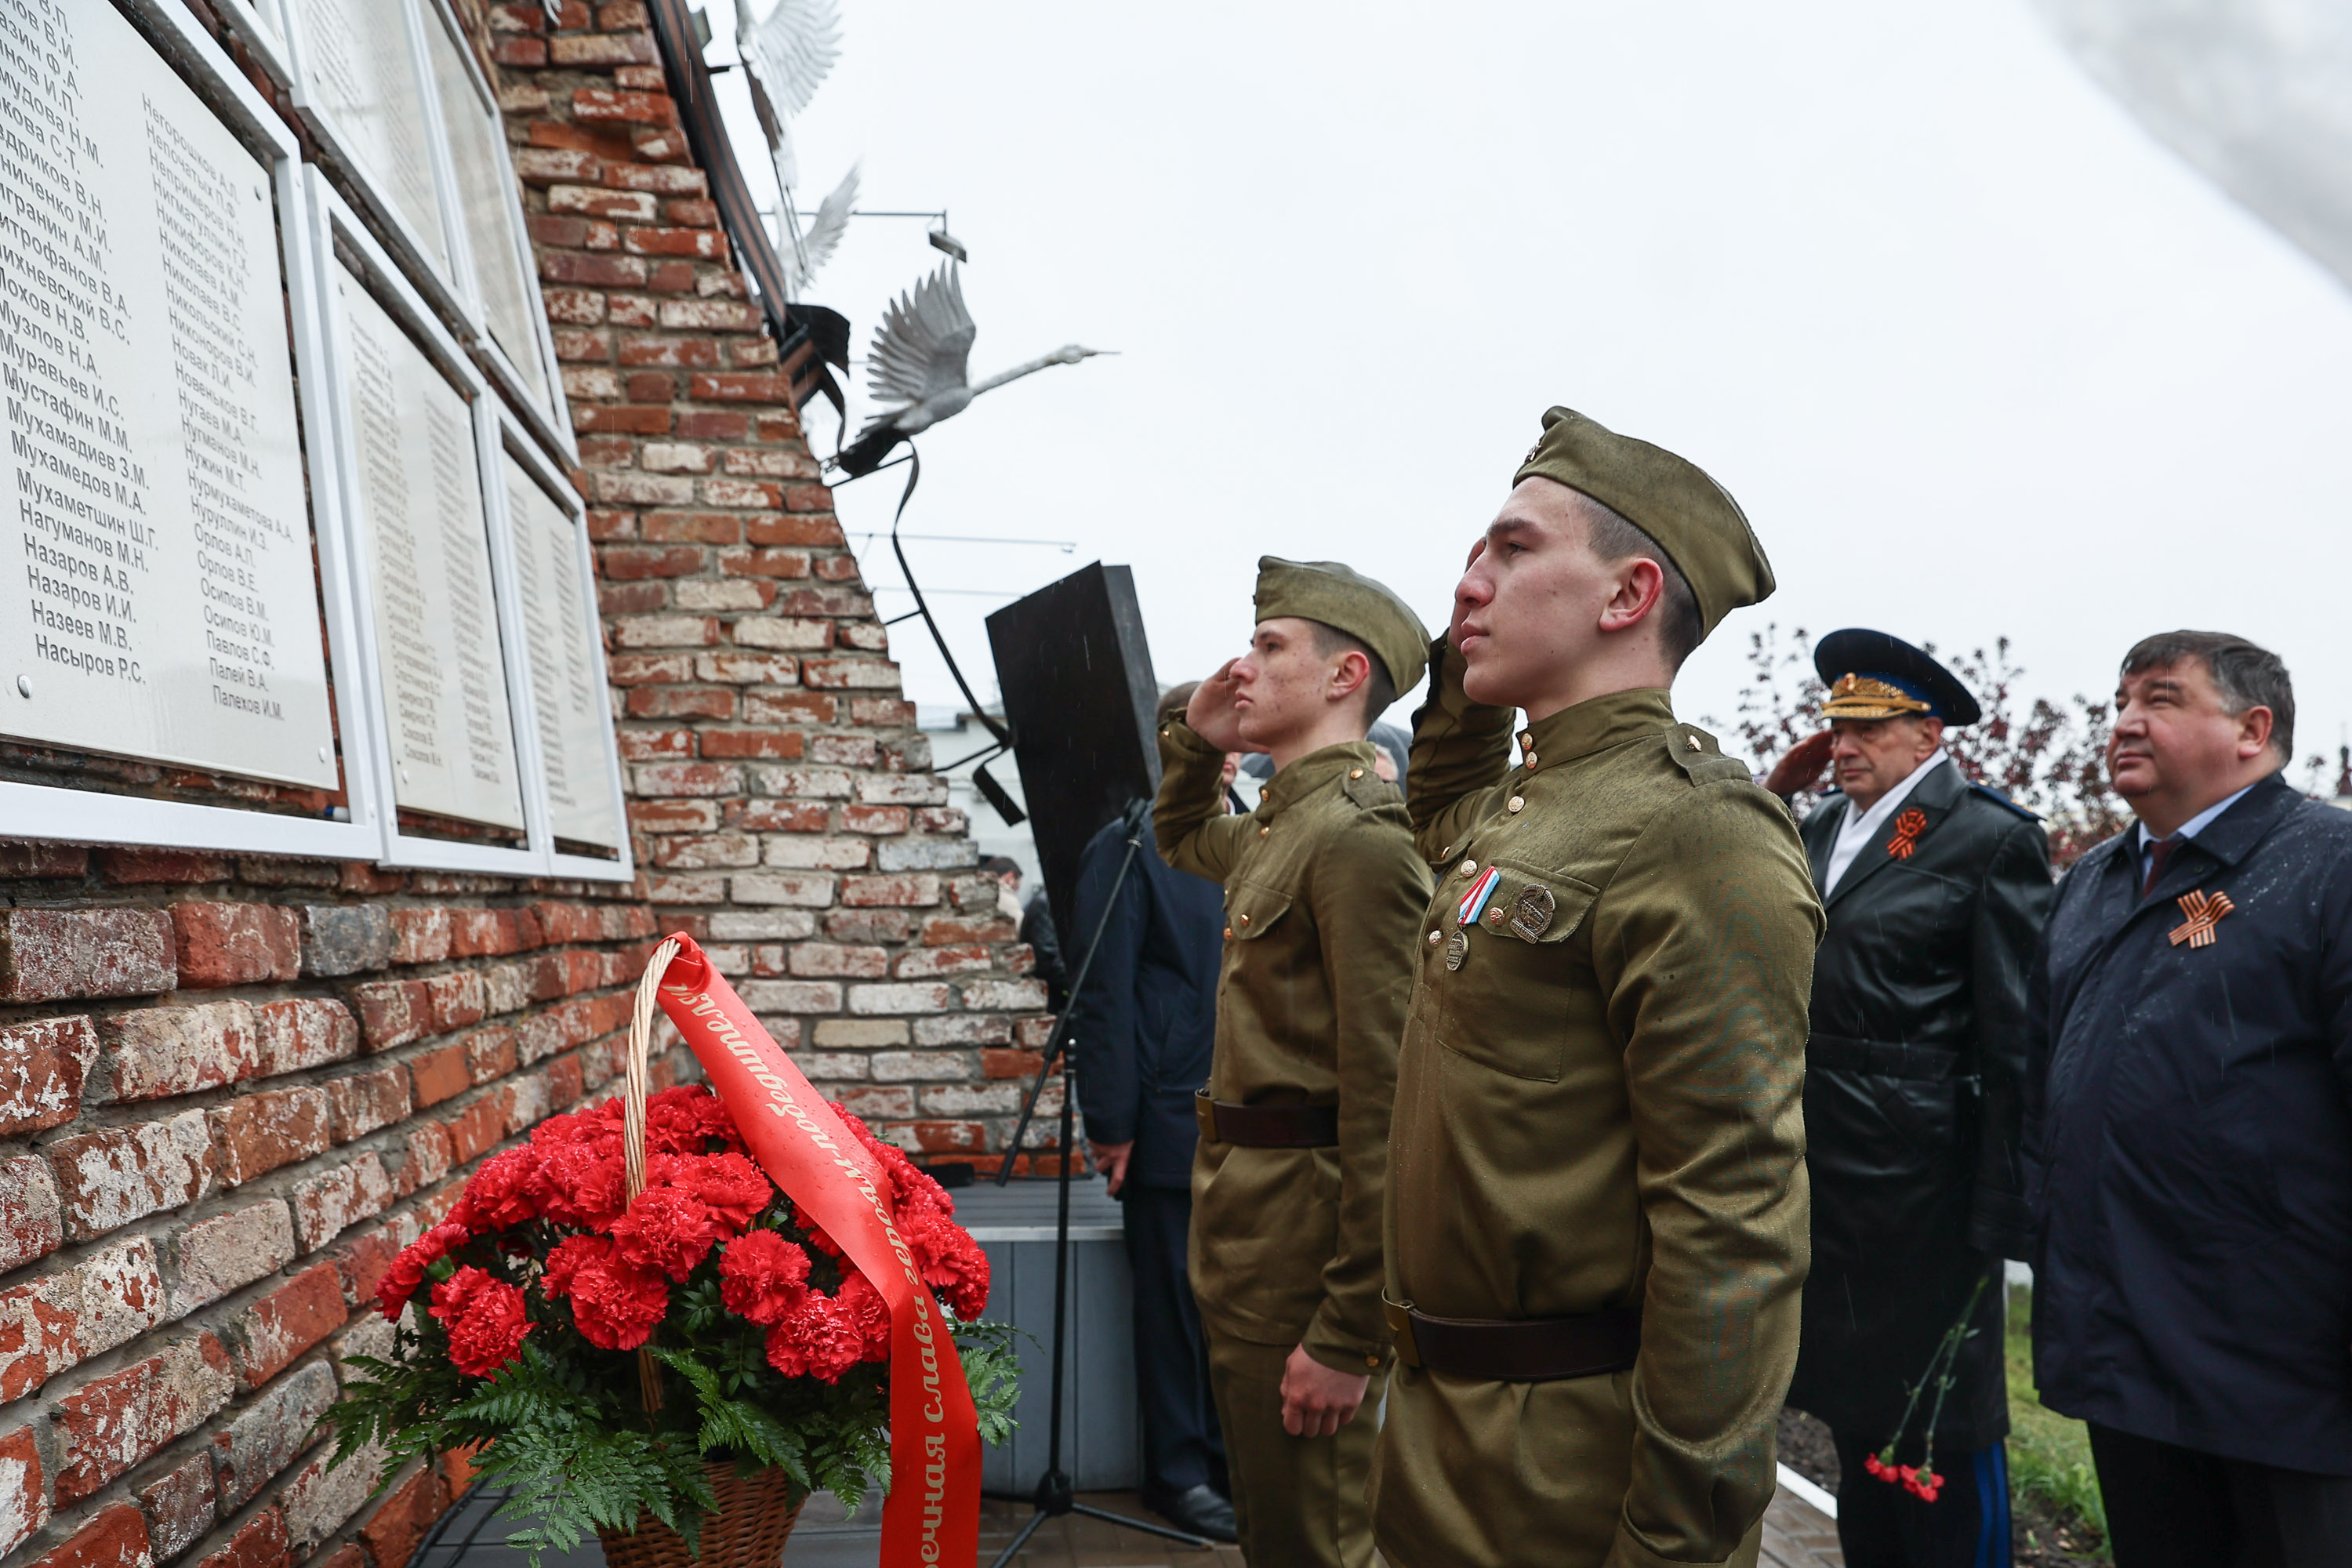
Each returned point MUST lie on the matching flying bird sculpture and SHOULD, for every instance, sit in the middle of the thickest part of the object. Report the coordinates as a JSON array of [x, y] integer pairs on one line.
[[919, 368], [788, 57]]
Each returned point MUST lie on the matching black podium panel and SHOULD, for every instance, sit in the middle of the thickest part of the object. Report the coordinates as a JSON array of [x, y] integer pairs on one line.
[[1075, 674]]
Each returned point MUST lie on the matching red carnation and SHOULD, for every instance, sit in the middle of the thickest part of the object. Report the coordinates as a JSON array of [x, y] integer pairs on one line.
[[668, 1229], [761, 1276], [1880, 1468], [682, 1120], [485, 1318], [1923, 1484], [737, 1191], [581, 1184], [949, 1261], [407, 1271], [864, 1306], [816, 1339], [615, 1303], [499, 1194]]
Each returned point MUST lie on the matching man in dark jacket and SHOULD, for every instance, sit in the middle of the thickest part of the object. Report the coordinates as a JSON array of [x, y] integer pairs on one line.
[[1935, 890], [2189, 1129], [1144, 1024]]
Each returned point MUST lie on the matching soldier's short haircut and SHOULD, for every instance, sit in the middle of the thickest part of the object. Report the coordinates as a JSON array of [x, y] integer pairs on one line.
[[1614, 538], [1380, 687], [2245, 675]]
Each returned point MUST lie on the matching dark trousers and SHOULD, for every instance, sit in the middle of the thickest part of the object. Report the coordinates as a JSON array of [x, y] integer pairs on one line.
[[2169, 1507], [1883, 1526], [1182, 1446]]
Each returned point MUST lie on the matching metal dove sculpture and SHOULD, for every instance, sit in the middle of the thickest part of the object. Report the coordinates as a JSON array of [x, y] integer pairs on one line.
[[788, 57], [919, 369]]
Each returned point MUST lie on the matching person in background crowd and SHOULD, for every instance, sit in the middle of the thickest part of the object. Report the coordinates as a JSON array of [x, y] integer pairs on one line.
[[2189, 1130], [1007, 872], [1142, 1029], [1323, 894], [1596, 1228], [1935, 889]]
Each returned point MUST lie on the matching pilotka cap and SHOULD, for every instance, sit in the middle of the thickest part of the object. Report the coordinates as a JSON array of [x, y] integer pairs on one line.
[[1345, 599], [1693, 519]]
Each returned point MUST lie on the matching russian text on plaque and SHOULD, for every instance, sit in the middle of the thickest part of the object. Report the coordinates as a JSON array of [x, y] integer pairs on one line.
[[167, 606]]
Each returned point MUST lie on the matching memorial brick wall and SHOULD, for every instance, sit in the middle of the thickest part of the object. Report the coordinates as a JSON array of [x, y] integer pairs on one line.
[[233, 1084]]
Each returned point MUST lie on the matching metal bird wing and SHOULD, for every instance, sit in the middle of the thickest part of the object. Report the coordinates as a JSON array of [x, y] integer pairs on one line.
[[792, 50], [823, 236], [924, 345]]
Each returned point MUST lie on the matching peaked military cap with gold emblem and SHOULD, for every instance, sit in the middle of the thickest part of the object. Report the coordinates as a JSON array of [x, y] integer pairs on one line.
[[1873, 675], [1693, 519], [1343, 598]]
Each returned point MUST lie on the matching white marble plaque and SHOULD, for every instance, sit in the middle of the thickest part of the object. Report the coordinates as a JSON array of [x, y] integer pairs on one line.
[[449, 729], [167, 606], [357, 66], [567, 691], [491, 205]]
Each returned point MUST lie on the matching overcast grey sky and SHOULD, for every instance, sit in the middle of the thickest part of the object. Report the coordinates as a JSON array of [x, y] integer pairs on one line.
[[1975, 354]]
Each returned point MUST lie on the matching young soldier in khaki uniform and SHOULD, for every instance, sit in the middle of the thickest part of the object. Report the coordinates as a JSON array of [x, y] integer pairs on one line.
[[1323, 900], [1597, 1217]]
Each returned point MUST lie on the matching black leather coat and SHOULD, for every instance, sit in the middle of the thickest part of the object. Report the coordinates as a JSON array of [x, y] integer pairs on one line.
[[1914, 1096]]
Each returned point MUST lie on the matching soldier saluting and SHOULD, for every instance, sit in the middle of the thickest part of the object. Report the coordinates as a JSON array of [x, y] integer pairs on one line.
[[1597, 1202], [1937, 889], [1323, 898]]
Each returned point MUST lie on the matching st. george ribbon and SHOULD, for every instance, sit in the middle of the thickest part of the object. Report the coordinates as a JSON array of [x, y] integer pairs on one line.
[[932, 1514]]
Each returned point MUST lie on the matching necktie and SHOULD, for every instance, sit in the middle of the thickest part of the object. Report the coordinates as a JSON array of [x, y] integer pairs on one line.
[[2160, 854]]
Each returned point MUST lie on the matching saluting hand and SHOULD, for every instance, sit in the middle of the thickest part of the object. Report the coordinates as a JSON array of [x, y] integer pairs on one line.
[[1316, 1401], [1800, 766], [1211, 714]]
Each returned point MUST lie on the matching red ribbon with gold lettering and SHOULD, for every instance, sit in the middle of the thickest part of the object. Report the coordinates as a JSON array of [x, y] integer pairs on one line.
[[932, 1514]]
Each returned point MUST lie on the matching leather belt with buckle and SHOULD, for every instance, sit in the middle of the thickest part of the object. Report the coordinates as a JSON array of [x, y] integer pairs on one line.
[[1517, 1350]]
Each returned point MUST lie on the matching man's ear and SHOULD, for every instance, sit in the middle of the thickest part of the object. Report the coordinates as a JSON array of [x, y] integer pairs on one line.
[[2254, 727], [1348, 676], [1641, 583]]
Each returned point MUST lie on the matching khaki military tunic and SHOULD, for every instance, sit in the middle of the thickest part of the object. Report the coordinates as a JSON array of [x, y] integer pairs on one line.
[[1323, 899], [1598, 1106]]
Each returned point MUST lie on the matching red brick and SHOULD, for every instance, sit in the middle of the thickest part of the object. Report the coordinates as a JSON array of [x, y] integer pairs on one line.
[[179, 1506], [67, 1316], [32, 1221], [256, 1133], [779, 745], [738, 386], [420, 936], [440, 1075], [111, 1176], [473, 1131], [998, 1062], [454, 1000], [302, 1032], [391, 1011], [362, 1261], [49, 954], [39, 858], [288, 1322], [597, 271], [924, 963], [400, 1521], [236, 945], [229, 1252], [332, 1201], [42, 1066], [116, 1538], [109, 1426], [261, 1543], [362, 1103], [565, 1082], [483, 933], [943, 1137], [134, 866], [24, 1501], [785, 816], [913, 891], [490, 1054], [154, 1052]]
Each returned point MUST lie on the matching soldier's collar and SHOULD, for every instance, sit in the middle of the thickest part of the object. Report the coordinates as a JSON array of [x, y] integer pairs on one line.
[[1312, 771], [1597, 723]]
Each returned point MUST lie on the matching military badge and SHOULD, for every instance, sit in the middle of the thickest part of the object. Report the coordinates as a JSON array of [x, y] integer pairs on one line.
[[2204, 911], [1535, 911], [1907, 828], [1475, 899], [1457, 948]]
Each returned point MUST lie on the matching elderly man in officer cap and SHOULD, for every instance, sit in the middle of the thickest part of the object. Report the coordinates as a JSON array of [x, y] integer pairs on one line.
[[1937, 889], [1597, 1207], [1323, 896]]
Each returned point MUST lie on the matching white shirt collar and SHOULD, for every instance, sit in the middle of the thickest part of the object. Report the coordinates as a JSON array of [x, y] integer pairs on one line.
[[1861, 828], [2195, 825]]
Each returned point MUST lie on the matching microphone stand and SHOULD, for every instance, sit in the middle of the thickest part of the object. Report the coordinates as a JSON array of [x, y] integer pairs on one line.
[[1055, 1495]]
